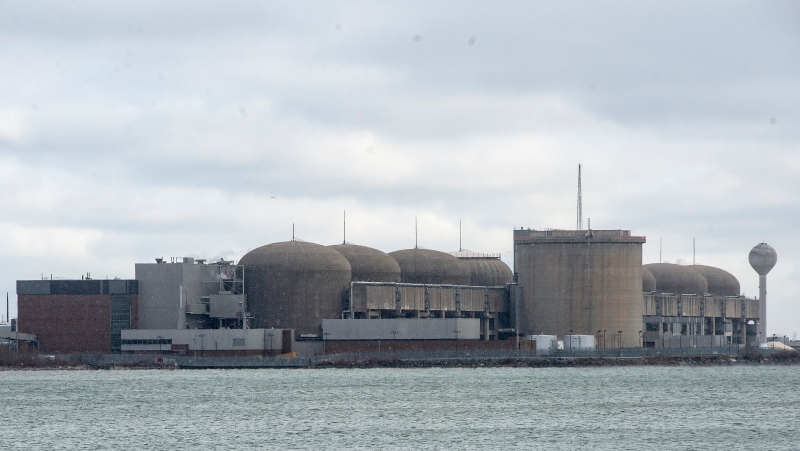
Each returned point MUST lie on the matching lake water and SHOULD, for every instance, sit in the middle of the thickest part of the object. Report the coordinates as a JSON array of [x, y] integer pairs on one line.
[[736, 407]]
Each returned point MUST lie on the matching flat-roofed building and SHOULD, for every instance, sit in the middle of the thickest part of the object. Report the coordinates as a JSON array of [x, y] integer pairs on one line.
[[77, 316]]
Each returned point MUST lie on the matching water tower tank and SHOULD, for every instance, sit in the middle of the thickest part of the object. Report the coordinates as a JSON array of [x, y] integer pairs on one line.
[[762, 258]]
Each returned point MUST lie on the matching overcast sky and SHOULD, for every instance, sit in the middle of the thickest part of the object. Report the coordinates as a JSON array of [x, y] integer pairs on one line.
[[131, 130]]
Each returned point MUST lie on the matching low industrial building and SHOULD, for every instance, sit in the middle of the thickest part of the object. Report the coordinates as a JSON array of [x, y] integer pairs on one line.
[[209, 342]]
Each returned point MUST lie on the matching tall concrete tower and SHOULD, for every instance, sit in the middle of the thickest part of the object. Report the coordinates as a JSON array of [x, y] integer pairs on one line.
[[763, 258]]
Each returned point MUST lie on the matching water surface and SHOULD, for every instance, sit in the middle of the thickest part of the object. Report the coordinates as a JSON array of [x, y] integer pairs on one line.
[[737, 407]]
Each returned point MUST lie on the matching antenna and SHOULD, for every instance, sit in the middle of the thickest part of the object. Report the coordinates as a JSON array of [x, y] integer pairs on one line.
[[580, 202], [292, 231], [660, 247], [416, 234], [694, 253], [344, 238], [459, 237]]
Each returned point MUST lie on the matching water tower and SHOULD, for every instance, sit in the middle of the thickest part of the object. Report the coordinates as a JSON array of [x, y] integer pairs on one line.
[[763, 258]]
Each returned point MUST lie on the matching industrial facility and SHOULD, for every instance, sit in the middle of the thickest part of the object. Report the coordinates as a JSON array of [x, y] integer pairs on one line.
[[573, 289]]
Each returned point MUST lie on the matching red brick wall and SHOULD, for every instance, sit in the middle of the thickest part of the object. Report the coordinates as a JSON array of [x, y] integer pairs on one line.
[[67, 323]]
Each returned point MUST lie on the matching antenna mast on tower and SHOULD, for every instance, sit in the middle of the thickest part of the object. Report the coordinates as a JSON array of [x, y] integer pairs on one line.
[[580, 202], [416, 234], [459, 237]]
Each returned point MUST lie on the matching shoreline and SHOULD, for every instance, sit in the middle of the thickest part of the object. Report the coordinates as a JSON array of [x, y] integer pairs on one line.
[[786, 358]]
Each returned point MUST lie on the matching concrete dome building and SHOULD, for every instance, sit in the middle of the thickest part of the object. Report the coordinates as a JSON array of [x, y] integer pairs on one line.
[[488, 271], [648, 281], [671, 278], [719, 281], [431, 267], [295, 284], [368, 264]]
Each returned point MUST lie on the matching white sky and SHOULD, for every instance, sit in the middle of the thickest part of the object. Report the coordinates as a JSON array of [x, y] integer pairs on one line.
[[131, 130]]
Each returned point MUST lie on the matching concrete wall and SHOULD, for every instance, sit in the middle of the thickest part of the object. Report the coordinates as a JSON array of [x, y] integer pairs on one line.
[[383, 296], [298, 299], [386, 347], [572, 282], [159, 295], [227, 305], [406, 328]]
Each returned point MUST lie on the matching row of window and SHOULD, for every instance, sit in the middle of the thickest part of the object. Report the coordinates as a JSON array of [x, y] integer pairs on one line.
[[237, 342], [152, 341]]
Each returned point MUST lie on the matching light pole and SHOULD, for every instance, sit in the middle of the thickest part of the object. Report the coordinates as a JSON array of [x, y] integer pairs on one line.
[[604, 338], [270, 335], [620, 339], [202, 342], [159, 338], [530, 342]]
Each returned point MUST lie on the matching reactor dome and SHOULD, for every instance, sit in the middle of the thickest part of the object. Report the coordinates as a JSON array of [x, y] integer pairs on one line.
[[368, 264], [671, 278], [763, 258], [295, 284], [719, 281], [431, 267], [485, 270], [648, 281]]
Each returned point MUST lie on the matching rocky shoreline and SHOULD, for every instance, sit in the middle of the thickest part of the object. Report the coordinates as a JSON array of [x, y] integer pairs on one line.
[[783, 358], [569, 362]]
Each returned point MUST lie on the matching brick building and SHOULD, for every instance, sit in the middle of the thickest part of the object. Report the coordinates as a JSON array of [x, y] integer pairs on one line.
[[77, 316]]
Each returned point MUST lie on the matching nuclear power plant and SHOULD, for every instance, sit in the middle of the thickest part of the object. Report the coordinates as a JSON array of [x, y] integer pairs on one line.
[[574, 288]]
